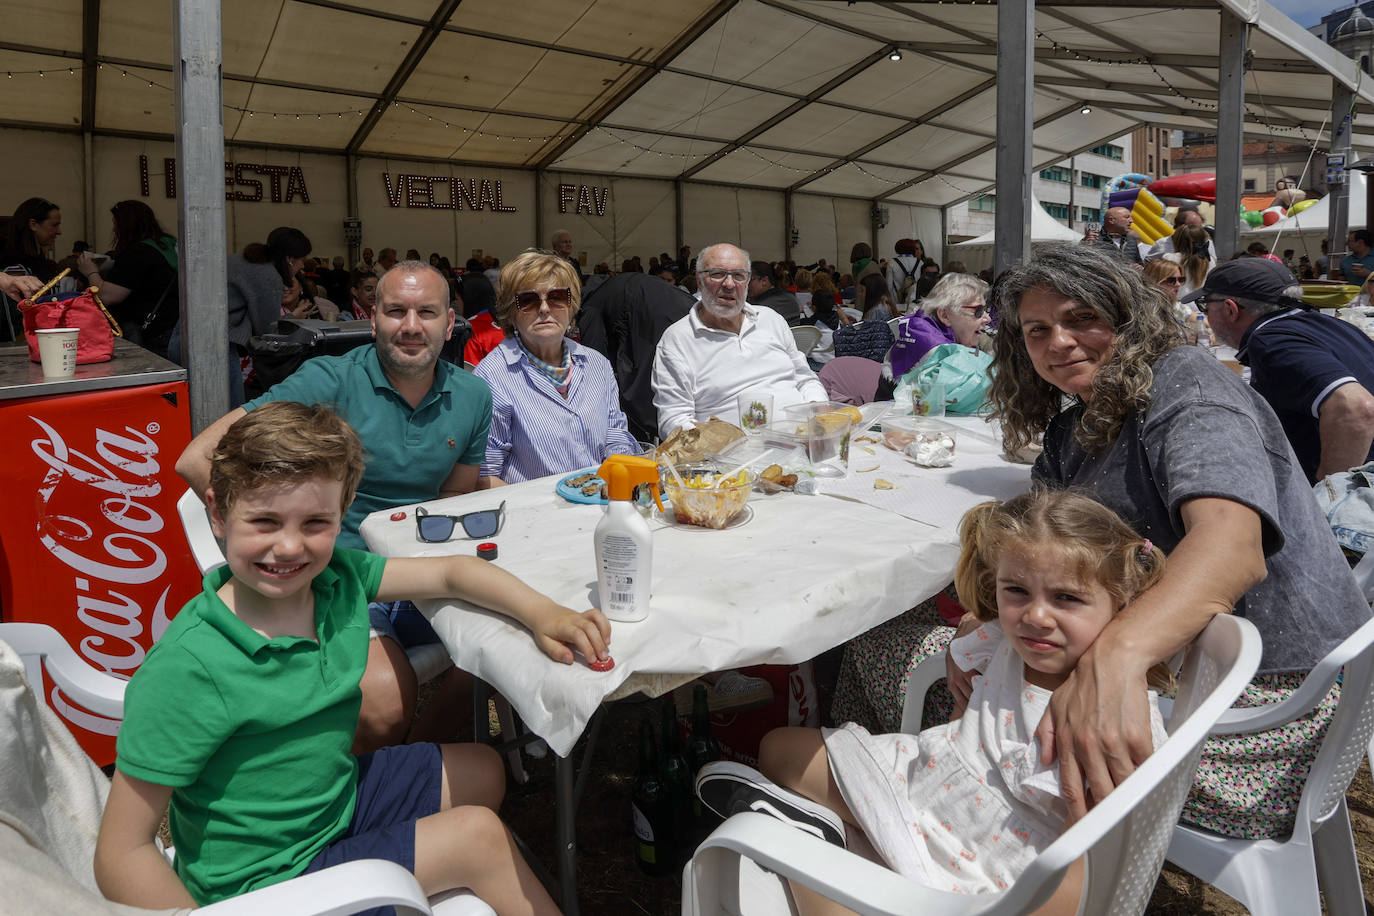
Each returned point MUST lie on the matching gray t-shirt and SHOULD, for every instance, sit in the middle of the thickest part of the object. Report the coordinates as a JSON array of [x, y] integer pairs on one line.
[[1208, 434]]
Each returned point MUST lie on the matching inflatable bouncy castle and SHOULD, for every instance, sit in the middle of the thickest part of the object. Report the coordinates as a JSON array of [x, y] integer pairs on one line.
[[1147, 211]]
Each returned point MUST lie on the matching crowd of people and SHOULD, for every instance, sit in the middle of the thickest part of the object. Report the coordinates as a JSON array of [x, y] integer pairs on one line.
[[1164, 490]]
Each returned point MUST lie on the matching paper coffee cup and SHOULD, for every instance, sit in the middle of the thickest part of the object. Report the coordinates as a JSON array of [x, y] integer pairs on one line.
[[57, 352]]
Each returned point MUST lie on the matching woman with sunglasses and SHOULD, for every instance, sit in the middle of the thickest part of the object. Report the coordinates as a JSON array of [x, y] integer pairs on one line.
[[953, 312], [555, 406], [1168, 276]]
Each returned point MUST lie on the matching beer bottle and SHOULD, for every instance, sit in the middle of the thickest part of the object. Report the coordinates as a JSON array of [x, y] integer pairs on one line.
[[701, 750], [677, 778], [651, 809]]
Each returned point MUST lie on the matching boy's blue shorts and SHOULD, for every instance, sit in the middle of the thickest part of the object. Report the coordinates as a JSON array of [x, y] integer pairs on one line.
[[396, 787], [402, 622]]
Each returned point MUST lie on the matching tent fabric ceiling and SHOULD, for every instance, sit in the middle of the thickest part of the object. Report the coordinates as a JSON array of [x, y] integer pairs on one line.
[[778, 94]]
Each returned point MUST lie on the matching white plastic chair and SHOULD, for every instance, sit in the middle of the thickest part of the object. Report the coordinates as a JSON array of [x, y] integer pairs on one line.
[[334, 891], [1281, 876], [892, 324], [428, 661], [1123, 837], [806, 337]]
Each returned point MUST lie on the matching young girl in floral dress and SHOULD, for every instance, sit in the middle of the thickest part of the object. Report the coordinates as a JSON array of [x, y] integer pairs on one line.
[[966, 806]]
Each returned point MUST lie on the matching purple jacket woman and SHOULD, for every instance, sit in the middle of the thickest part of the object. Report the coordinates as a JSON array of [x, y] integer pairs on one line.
[[917, 335], [953, 312]]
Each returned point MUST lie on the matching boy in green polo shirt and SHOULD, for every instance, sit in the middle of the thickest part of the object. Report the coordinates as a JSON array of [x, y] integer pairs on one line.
[[243, 713]]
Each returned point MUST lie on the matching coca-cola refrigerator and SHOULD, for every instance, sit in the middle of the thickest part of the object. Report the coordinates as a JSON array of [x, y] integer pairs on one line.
[[90, 540]]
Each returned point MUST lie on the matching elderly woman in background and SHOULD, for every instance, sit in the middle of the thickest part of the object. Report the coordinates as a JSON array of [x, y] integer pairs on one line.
[[555, 406], [953, 312], [1194, 459]]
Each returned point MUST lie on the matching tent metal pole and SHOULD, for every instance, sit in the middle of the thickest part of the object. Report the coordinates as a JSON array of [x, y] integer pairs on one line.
[[1230, 125], [88, 187], [680, 226], [200, 206], [1338, 215], [789, 219], [1015, 111], [351, 204], [540, 233]]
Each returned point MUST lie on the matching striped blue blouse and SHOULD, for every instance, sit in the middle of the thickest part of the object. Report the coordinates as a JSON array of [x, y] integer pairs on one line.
[[534, 431]]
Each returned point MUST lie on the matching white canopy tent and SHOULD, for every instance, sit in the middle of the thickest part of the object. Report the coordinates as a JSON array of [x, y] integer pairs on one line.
[[1303, 232], [791, 95], [976, 253]]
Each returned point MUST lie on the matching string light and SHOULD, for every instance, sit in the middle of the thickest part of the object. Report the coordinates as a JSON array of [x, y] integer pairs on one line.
[[1261, 116]]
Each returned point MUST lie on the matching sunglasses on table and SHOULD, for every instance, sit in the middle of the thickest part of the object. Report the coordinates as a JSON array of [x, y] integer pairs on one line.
[[435, 529], [560, 297]]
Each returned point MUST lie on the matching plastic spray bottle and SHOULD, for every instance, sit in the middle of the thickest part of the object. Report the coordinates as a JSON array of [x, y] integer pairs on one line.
[[624, 548]]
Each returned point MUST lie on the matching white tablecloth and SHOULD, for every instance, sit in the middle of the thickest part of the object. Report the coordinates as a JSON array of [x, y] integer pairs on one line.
[[804, 574]]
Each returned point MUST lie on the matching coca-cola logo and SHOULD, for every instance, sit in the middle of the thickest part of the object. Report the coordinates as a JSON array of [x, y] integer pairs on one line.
[[104, 538]]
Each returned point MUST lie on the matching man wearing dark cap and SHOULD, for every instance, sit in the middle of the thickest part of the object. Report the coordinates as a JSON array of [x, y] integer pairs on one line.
[[764, 291], [1317, 372]]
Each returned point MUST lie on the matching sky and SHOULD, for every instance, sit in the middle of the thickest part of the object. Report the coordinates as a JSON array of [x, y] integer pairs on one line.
[[1308, 12]]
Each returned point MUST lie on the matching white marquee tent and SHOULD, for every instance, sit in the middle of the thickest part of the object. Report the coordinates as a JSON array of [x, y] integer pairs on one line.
[[791, 96]]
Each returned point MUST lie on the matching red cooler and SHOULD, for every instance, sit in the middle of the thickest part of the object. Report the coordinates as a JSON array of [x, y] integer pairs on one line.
[[90, 540]]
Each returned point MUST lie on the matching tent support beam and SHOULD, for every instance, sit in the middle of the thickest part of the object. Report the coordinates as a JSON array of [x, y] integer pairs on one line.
[[1338, 214], [200, 206], [789, 219], [90, 50], [1015, 108], [633, 85], [894, 134], [820, 91], [679, 223], [417, 52], [1230, 119]]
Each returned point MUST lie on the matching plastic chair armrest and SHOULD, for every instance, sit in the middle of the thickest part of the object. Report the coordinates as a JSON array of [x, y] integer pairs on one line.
[[852, 881], [85, 685], [1303, 700], [336, 891], [925, 675]]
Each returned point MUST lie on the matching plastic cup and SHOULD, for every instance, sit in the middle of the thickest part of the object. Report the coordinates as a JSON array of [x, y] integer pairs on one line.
[[57, 352], [755, 409], [928, 400]]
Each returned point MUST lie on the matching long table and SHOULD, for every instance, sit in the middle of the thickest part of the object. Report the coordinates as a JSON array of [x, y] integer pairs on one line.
[[803, 574]]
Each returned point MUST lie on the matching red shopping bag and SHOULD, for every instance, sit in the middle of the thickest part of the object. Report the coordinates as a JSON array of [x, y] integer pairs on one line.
[[83, 311]]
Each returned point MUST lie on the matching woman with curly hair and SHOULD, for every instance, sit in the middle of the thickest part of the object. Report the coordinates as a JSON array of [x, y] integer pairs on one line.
[[1197, 462]]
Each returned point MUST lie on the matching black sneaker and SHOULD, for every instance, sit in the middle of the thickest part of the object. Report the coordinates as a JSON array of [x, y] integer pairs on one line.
[[729, 788]]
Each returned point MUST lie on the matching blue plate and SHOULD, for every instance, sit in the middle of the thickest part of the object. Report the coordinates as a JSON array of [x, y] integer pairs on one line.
[[575, 494]]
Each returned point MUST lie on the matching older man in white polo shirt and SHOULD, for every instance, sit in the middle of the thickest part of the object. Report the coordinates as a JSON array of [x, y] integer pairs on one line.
[[724, 347]]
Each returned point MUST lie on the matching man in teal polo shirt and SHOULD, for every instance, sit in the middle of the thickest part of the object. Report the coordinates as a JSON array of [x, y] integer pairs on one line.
[[424, 426]]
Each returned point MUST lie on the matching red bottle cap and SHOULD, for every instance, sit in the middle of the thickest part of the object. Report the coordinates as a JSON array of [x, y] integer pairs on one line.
[[398, 516], [607, 665], [487, 551]]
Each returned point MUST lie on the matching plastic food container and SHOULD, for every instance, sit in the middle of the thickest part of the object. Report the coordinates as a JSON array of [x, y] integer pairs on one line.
[[699, 503], [824, 427], [933, 443], [898, 431]]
